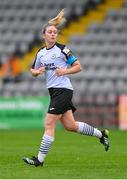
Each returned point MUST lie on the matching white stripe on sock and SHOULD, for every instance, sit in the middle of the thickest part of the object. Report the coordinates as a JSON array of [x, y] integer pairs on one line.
[[86, 129], [45, 147]]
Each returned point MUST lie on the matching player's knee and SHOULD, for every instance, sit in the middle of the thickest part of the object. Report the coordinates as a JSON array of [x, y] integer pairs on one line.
[[70, 127], [49, 124]]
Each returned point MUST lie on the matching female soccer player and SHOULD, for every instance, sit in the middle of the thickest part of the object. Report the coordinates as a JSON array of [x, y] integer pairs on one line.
[[56, 61]]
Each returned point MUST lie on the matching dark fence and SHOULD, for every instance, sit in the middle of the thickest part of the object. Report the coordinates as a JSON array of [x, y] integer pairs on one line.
[[98, 110]]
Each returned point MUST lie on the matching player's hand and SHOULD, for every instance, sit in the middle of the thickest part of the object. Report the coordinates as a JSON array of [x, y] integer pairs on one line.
[[41, 70], [36, 72], [60, 71]]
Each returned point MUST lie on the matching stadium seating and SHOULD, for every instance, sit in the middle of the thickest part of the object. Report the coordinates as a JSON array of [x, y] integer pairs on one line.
[[102, 51], [20, 20], [17, 31], [98, 39]]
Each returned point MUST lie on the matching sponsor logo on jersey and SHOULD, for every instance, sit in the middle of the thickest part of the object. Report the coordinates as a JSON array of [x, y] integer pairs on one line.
[[50, 66]]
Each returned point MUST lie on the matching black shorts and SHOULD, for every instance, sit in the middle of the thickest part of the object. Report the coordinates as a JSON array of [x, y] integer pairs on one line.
[[61, 100]]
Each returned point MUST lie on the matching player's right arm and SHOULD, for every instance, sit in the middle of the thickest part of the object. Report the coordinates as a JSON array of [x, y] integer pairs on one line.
[[37, 68], [39, 71]]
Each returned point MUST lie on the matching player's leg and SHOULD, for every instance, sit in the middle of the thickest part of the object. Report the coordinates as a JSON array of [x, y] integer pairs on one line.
[[47, 140], [70, 124], [48, 137]]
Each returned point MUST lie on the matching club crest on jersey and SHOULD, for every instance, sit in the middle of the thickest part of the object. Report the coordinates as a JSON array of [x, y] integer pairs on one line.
[[53, 56], [66, 50]]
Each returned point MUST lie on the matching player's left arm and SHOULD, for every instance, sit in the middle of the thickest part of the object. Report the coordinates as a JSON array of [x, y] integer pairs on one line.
[[71, 60], [74, 68]]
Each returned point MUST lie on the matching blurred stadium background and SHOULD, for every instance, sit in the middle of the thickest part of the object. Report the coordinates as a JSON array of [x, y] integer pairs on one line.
[[96, 32]]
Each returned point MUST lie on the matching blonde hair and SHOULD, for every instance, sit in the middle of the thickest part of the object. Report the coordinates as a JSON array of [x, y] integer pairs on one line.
[[57, 21]]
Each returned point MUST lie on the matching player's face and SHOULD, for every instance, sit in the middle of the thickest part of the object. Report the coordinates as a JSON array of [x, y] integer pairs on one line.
[[51, 34]]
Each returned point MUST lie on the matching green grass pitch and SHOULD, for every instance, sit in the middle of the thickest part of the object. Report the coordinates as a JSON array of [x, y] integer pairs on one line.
[[72, 156]]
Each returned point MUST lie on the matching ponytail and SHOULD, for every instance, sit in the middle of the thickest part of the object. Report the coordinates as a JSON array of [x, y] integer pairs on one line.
[[57, 21]]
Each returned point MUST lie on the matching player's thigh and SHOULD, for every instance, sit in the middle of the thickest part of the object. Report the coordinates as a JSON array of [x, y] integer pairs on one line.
[[51, 119], [68, 121]]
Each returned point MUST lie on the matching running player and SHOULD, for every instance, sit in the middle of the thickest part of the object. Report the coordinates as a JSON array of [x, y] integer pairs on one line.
[[56, 61]]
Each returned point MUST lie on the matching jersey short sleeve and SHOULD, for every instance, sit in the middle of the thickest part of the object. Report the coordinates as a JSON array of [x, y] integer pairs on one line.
[[70, 58], [36, 63]]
